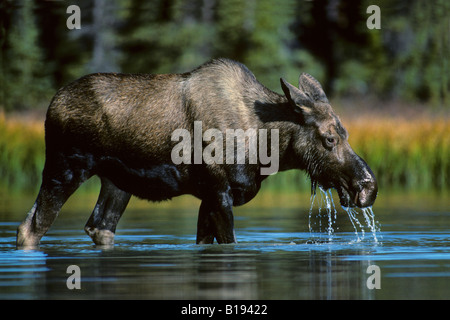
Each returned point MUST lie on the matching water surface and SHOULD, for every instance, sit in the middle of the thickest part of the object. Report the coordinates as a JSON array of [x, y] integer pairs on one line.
[[277, 257]]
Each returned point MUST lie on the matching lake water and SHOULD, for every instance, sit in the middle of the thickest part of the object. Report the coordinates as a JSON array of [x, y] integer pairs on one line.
[[277, 257]]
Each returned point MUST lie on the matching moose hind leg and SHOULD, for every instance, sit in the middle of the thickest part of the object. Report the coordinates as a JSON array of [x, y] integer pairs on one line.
[[54, 192], [102, 223]]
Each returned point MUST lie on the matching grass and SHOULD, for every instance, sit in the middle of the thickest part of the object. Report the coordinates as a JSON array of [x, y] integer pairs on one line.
[[22, 153], [410, 153]]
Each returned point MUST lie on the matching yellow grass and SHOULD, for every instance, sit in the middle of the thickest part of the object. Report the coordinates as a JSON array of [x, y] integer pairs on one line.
[[404, 152], [408, 153]]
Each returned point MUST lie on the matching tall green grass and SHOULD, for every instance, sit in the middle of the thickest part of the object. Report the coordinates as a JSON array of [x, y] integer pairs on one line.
[[403, 153]]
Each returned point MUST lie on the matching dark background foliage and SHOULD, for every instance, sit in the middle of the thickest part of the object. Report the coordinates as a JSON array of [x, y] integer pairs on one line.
[[407, 59]]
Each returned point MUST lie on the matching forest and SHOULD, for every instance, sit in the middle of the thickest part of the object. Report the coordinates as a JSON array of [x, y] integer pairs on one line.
[[407, 58], [392, 82]]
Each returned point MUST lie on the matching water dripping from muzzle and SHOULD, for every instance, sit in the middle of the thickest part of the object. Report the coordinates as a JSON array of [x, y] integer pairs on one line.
[[326, 201], [326, 207], [369, 217]]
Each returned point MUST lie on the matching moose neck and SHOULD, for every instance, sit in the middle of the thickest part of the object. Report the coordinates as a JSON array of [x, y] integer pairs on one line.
[[275, 112]]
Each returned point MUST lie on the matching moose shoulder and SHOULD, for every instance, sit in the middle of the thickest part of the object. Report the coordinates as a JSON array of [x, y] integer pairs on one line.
[[213, 132]]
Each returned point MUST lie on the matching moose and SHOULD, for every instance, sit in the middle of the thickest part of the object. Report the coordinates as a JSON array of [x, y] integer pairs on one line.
[[120, 127]]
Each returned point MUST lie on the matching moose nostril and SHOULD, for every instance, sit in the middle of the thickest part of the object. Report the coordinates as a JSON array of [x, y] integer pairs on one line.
[[356, 198], [373, 187], [367, 194]]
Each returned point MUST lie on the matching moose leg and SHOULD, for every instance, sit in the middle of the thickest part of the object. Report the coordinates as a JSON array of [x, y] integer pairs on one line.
[[54, 191], [102, 223], [215, 220], [205, 230]]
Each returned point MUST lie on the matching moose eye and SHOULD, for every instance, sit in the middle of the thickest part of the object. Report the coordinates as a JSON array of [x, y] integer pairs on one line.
[[330, 142]]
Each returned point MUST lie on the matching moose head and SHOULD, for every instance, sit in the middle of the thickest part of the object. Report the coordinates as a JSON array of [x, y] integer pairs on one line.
[[322, 145]]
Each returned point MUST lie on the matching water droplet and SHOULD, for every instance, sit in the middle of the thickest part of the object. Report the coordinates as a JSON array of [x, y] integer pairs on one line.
[[325, 201]]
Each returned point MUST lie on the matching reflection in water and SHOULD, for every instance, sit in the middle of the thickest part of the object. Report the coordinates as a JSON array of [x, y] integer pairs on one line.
[[278, 257], [246, 274], [185, 271], [21, 269]]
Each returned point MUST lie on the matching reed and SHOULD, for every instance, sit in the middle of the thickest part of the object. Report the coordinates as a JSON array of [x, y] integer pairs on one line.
[[403, 153]]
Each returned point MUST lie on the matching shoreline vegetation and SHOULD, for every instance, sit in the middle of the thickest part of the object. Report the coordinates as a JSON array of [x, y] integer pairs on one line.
[[407, 148]]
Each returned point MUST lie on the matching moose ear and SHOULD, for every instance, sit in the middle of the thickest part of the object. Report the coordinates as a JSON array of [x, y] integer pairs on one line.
[[312, 88], [301, 102]]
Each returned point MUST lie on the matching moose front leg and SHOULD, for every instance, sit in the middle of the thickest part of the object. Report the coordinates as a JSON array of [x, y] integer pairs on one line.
[[205, 231], [111, 203], [215, 220]]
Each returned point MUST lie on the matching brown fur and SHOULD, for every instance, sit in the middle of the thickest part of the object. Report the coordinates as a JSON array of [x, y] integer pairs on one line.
[[119, 127]]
